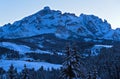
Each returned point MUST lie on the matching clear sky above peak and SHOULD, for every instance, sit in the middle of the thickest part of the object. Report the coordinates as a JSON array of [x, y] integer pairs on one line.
[[13, 10]]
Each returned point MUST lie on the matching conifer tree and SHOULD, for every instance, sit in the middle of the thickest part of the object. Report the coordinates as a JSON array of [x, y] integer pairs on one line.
[[72, 66], [2, 71], [12, 72], [25, 73], [95, 74], [89, 76], [41, 73]]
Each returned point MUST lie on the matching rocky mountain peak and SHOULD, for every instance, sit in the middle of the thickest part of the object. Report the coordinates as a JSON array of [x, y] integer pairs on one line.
[[48, 21], [47, 8]]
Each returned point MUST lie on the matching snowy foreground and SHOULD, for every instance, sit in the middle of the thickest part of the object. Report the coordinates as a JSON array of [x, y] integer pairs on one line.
[[20, 65]]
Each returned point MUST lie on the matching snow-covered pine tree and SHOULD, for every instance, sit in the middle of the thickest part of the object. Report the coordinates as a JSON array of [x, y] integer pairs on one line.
[[12, 74], [72, 66], [41, 73], [25, 73], [2, 72], [95, 74], [89, 76]]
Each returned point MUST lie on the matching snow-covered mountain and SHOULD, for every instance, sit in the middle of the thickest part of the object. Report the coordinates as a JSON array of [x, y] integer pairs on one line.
[[62, 25], [40, 41]]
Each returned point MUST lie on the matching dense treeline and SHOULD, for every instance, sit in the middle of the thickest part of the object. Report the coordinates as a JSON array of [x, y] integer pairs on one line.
[[29, 73], [107, 63], [55, 58]]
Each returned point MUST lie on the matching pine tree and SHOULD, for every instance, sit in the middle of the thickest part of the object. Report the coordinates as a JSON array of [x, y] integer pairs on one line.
[[95, 74], [2, 72], [72, 66], [12, 72], [32, 74], [89, 76], [25, 73]]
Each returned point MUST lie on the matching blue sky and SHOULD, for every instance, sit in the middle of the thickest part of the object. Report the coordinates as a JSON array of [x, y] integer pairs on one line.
[[13, 10]]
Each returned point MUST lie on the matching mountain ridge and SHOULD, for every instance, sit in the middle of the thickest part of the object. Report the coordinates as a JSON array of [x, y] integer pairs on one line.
[[63, 25]]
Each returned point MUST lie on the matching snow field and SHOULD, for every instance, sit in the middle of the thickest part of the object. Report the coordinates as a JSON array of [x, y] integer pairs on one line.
[[5, 64]]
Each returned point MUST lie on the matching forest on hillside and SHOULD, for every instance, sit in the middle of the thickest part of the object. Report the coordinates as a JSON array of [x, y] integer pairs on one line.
[[106, 65]]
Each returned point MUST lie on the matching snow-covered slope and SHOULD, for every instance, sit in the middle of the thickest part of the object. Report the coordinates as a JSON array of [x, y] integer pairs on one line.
[[12, 46], [63, 25], [5, 64], [22, 49], [95, 50]]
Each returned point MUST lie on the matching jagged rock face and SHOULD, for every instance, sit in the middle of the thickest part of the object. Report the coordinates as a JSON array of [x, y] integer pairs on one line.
[[95, 25], [62, 25], [116, 35]]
